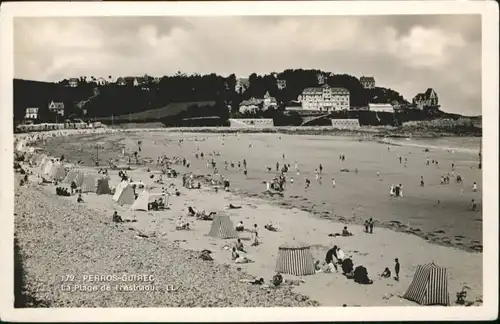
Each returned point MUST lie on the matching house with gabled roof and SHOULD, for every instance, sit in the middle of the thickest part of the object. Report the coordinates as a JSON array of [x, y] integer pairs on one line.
[[428, 99], [367, 82]]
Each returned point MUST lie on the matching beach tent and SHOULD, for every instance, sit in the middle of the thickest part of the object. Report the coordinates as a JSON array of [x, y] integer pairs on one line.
[[295, 259], [103, 187], [119, 188], [47, 167], [57, 172], [124, 194], [429, 286], [75, 175], [89, 183], [142, 201], [222, 227]]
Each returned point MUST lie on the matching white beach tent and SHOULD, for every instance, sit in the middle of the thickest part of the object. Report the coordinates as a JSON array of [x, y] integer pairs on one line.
[[57, 172], [75, 175], [124, 194], [47, 167], [142, 201]]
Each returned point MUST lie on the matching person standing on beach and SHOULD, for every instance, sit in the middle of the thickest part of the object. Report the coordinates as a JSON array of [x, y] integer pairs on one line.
[[320, 169], [333, 183], [277, 166], [378, 173], [427, 162], [367, 225], [308, 183], [245, 163], [291, 180], [396, 269], [370, 224], [255, 234], [316, 174], [421, 181], [474, 187]]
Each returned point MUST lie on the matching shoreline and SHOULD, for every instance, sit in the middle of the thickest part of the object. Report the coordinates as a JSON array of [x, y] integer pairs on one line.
[[375, 131]]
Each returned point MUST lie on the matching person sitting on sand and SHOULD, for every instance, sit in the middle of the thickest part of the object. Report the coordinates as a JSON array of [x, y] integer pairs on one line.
[[79, 199], [117, 218], [361, 276], [73, 187], [237, 258], [177, 192], [277, 279], [270, 227], [345, 232], [347, 267], [181, 225], [239, 227], [239, 246], [191, 211], [317, 266], [340, 255], [386, 273]]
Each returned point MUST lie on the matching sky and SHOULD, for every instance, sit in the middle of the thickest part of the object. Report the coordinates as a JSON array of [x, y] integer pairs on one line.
[[406, 53]]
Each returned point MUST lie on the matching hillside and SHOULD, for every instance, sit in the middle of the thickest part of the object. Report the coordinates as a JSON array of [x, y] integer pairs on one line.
[[170, 110]]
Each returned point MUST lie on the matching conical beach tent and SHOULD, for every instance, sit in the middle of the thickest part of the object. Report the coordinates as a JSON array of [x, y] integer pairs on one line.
[[124, 194], [295, 259], [75, 175], [429, 286], [222, 227], [57, 172], [119, 188]]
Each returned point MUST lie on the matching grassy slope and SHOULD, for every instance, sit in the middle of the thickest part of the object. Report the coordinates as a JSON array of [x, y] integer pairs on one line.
[[155, 114]]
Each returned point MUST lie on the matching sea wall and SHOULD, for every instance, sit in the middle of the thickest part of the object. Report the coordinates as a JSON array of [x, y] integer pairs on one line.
[[345, 123], [257, 122]]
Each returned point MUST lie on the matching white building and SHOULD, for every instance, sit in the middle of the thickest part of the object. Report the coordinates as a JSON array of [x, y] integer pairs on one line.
[[73, 82], [325, 98], [381, 107], [241, 85], [31, 113], [321, 78], [269, 101], [250, 106], [57, 107], [101, 82], [367, 82], [281, 84]]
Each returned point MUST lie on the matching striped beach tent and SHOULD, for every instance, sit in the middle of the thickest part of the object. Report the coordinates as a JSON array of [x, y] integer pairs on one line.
[[222, 227], [57, 172], [295, 259], [429, 286], [75, 175], [89, 183]]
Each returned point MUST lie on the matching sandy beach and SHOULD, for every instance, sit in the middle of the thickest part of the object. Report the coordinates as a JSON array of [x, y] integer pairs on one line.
[[411, 228]]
